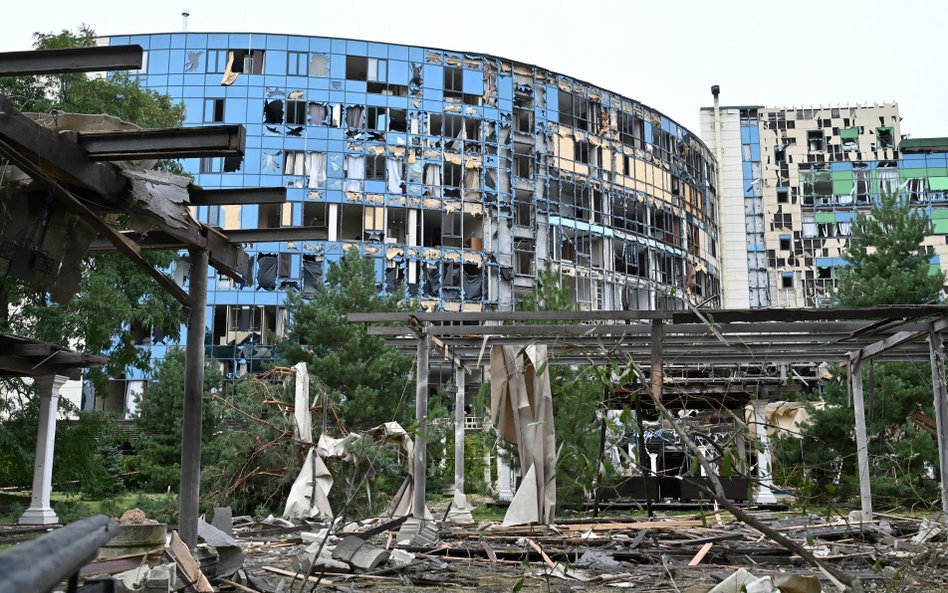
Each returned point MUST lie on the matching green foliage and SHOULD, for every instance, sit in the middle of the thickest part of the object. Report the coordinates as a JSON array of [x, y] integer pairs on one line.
[[86, 457], [366, 483], [253, 463], [549, 293], [368, 379], [823, 463], [887, 263], [159, 420], [113, 291]]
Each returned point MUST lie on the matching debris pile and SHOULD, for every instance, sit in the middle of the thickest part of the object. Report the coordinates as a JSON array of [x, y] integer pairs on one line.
[[698, 553]]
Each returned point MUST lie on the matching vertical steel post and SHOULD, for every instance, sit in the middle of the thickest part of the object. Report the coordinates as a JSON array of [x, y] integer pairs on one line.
[[935, 345], [190, 490], [862, 440]]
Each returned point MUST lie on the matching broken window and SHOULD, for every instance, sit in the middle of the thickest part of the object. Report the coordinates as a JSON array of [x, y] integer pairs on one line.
[[296, 113], [367, 69], [430, 228], [246, 61], [523, 120], [273, 112], [316, 215], [581, 152], [453, 83], [786, 280], [375, 168], [575, 111], [377, 119], [631, 129], [522, 163], [524, 257], [355, 172], [268, 216], [785, 243], [214, 110], [294, 162], [398, 120], [814, 140], [885, 137], [317, 114], [451, 229], [355, 116], [453, 126], [373, 223]]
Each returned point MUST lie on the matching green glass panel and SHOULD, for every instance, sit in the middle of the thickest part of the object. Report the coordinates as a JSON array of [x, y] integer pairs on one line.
[[940, 227], [842, 186], [939, 214], [824, 217], [849, 133], [934, 269], [938, 183]]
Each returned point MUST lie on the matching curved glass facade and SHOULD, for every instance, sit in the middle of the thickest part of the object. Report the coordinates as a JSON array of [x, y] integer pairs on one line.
[[462, 174]]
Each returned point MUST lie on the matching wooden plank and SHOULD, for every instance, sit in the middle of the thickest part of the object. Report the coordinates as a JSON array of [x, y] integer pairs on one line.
[[701, 554], [189, 567]]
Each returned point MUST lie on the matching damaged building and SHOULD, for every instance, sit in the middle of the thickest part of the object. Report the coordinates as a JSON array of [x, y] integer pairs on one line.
[[792, 182], [462, 174]]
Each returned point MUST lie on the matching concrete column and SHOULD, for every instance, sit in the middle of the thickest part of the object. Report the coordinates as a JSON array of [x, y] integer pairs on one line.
[[40, 511], [862, 440], [765, 480], [505, 481], [419, 463], [941, 409], [190, 492], [459, 430]]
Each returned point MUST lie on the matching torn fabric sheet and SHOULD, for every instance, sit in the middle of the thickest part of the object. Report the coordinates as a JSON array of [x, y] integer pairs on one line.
[[309, 496], [521, 406], [303, 430]]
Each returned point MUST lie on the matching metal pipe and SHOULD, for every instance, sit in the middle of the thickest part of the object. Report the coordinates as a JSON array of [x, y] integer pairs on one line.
[[42, 563], [190, 490], [459, 430]]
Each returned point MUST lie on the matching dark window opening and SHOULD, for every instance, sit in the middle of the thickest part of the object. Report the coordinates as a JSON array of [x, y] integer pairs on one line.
[[785, 243], [885, 137], [269, 215], [296, 113], [247, 61], [453, 83], [814, 140], [214, 110], [398, 120], [523, 121], [357, 68], [375, 168], [786, 280]]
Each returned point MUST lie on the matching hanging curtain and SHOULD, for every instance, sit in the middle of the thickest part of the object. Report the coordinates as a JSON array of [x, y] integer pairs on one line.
[[355, 116], [295, 163], [316, 167], [336, 120], [355, 173], [432, 174], [393, 169], [317, 114]]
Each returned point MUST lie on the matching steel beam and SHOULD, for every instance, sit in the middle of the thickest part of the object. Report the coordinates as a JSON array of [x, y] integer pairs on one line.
[[76, 59], [940, 393], [253, 195], [300, 233], [61, 159], [165, 143], [862, 439], [419, 462]]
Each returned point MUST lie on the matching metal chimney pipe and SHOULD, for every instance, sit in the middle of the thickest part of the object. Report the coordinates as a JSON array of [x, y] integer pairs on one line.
[[185, 13]]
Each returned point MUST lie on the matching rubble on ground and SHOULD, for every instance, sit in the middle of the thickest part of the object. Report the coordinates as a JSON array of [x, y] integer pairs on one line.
[[703, 552]]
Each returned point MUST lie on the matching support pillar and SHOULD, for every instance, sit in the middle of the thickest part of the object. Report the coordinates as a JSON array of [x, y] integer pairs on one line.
[[862, 440], [940, 393], [40, 512], [459, 430], [190, 491], [421, 417], [765, 494]]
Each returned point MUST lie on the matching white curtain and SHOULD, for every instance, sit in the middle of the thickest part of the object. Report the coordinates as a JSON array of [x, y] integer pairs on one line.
[[355, 116], [355, 173], [845, 229], [294, 163], [393, 169], [317, 114], [433, 174], [336, 120], [316, 167]]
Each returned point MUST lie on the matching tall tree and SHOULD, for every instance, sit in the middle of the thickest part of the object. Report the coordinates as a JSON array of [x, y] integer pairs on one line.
[[368, 379], [887, 263], [113, 293]]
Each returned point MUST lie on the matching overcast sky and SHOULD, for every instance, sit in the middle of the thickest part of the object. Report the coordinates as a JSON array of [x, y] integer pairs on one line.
[[666, 54]]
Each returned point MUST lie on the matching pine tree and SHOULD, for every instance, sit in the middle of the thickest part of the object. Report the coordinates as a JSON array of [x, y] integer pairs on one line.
[[369, 379], [887, 263]]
